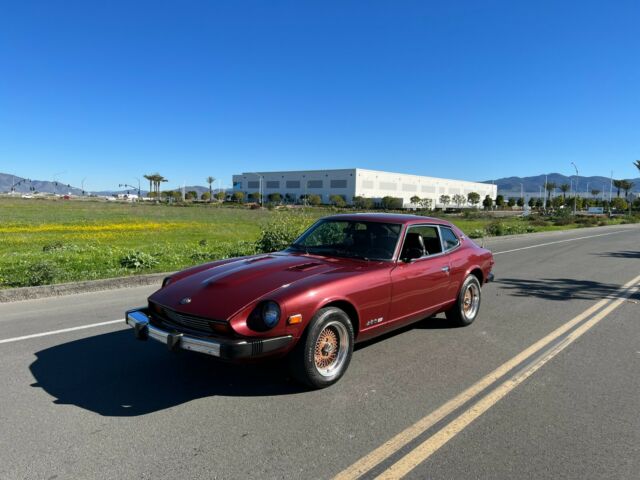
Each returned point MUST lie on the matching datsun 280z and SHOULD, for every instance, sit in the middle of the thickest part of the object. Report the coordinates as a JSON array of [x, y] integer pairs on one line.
[[347, 279]]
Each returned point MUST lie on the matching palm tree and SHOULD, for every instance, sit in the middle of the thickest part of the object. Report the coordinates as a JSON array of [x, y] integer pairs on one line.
[[157, 179], [618, 185], [564, 188], [637, 164], [160, 180], [150, 178], [550, 186], [626, 185], [210, 180]]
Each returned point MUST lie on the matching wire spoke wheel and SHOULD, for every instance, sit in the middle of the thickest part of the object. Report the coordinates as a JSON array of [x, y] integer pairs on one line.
[[471, 300], [331, 348]]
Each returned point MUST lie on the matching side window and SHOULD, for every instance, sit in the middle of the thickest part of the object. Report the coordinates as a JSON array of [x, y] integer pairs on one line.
[[421, 241], [450, 239], [431, 239]]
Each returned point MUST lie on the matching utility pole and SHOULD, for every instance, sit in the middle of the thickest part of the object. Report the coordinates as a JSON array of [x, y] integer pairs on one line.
[[539, 191], [545, 194], [610, 191], [575, 197], [522, 194]]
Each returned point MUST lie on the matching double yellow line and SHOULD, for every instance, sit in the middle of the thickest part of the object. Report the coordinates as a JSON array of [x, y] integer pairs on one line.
[[425, 449]]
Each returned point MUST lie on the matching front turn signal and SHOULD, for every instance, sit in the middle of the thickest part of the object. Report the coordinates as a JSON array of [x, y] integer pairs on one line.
[[294, 319]]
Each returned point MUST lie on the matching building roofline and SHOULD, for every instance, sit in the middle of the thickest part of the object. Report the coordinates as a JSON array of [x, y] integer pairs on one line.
[[358, 169], [421, 176]]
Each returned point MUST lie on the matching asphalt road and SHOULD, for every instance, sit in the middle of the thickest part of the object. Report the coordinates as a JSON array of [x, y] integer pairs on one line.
[[95, 403]]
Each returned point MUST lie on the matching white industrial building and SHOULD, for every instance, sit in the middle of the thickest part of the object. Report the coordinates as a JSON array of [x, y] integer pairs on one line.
[[354, 182]]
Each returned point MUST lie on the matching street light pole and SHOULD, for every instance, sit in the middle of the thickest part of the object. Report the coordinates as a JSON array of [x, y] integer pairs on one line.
[[575, 196], [259, 185], [610, 191]]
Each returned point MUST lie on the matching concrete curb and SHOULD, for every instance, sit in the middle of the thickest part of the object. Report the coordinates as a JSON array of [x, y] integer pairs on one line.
[[32, 293]]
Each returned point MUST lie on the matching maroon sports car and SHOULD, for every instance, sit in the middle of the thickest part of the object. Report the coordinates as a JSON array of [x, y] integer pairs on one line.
[[347, 279]]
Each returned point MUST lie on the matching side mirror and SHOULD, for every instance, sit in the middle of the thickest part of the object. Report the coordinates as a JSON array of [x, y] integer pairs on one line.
[[412, 254]]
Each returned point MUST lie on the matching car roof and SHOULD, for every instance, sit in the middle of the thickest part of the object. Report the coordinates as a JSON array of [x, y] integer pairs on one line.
[[401, 218]]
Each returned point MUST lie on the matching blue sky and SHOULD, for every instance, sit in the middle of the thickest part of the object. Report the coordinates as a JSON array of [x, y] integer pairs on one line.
[[473, 90]]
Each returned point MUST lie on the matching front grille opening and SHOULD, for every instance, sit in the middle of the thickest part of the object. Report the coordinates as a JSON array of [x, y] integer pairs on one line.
[[181, 321]]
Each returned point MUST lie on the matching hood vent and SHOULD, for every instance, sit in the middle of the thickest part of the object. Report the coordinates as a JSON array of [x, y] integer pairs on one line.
[[304, 266]]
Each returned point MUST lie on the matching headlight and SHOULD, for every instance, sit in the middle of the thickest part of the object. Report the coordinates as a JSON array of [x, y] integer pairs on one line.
[[166, 281], [264, 317], [270, 314]]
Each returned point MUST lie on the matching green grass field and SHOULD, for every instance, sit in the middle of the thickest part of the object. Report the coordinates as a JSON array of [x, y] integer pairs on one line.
[[55, 241]]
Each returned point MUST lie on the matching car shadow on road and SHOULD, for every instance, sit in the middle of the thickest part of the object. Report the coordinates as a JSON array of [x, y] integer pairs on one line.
[[628, 254], [561, 289], [115, 375]]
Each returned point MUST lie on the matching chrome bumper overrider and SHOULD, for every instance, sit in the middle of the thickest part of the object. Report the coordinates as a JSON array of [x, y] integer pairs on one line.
[[138, 319]]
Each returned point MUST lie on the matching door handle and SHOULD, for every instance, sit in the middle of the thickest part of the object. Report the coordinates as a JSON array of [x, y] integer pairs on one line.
[[445, 269]]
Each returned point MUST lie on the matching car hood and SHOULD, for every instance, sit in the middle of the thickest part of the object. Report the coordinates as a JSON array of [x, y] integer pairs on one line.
[[222, 290]]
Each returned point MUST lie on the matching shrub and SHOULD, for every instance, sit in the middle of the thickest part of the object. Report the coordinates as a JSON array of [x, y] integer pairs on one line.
[[476, 233], [338, 201], [53, 246], [586, 221], [562, 221], [40, 273], [138, 260], [283, 229], [472, 214], [314, 200], [391, 203], [495, 229], [362, 203], [241, 248], [538, 222]]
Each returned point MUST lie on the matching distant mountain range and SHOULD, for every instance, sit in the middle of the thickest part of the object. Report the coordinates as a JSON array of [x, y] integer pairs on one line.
[[511, 185], [22, 185], [508, 186]]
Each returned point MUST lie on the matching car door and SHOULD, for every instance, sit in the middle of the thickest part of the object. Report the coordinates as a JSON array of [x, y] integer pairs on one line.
[[419, 285]]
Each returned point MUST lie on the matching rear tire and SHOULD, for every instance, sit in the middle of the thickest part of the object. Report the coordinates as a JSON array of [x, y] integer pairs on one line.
[[467, 306], [323, 353]]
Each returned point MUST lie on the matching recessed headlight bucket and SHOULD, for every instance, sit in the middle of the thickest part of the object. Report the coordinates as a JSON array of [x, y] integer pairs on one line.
[[270, 314], [264, 317], [166, 281]]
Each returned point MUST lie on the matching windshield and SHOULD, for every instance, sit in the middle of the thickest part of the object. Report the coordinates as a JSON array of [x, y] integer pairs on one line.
[[350, 238]]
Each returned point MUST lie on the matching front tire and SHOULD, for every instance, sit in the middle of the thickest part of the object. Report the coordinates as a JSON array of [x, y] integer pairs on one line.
[[467, 306], [323, 354]]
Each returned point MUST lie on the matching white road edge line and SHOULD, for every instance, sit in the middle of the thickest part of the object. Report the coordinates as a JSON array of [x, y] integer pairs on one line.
[[559, 241], [64, 330]]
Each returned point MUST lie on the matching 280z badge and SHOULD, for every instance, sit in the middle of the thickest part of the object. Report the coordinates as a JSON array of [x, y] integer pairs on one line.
[[375, 321]]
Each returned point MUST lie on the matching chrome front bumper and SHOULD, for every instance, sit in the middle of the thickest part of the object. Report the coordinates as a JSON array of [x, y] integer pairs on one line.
[[138, 319]]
